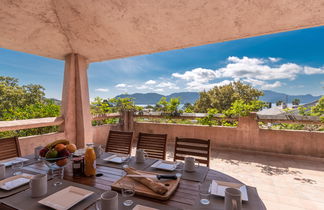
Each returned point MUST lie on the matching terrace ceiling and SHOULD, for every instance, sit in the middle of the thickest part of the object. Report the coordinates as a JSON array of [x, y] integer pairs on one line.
[[108, 29]]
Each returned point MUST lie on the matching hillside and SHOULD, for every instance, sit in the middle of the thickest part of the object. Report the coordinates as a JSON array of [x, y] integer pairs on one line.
[[153, 98], [272, 96], [191, 97]]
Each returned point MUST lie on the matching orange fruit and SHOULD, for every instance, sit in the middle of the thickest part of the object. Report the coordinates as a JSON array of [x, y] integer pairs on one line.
[[59, 147], [62, 162], [71, 147]]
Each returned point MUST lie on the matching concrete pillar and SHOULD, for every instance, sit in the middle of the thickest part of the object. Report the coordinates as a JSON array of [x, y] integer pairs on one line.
[[127, 120], [130, 120], [248, 130], [75, 101], [124, 120]]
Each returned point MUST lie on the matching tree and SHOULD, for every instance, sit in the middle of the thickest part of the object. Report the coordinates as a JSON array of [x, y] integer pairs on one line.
[[113, 105], [188, 108], [318, 109], [25, 102], [14, 97], [169, 107], [222, 97], [296, 102], [241, 108], [278, 103]]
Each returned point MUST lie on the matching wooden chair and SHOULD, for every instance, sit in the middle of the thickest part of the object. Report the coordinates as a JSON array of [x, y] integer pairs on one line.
[[153, 144], [9, 148], [119, 142], [198, 148]]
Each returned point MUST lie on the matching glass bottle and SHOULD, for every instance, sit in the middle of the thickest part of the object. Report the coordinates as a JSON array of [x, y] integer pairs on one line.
[[90, 161]]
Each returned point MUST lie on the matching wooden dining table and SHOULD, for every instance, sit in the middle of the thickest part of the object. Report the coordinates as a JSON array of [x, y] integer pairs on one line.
[[185, 197]]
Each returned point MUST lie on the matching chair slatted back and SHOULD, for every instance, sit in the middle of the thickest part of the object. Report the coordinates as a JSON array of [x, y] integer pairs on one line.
[[153, 144], [119, 142], [197, 148], [9, 148]]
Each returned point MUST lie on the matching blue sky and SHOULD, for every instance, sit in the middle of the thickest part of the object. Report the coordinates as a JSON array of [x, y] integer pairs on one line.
[[290, 62]]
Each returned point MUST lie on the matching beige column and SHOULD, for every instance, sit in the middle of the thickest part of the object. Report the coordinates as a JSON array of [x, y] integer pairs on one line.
[[75, 101], [248, 130]]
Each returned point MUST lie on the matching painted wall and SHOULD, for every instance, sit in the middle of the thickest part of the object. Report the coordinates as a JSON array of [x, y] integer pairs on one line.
[[27, 144], [246, 136]]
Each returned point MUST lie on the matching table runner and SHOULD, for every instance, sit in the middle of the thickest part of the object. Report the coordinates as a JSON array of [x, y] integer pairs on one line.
[[30, 203], [131, 162], [198, 176]]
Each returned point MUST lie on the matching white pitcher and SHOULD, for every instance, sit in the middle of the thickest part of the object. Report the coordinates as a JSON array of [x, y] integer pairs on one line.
[[98, 150], [141, 155], [190, 164]]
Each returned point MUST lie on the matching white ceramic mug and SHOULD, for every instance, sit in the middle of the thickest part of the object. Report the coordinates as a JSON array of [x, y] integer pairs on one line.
[[98, 150], [190, 164], [108, 201], [233, 199], [140, 156], [38, 185], [2, 171]]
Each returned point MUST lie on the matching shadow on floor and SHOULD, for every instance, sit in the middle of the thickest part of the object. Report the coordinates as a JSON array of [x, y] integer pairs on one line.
[[270, 164]]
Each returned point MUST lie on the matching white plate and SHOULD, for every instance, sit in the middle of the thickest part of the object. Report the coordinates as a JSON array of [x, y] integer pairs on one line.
[[117, 158], [66, 198], [8, 162], [15, 181], [165, 165], [218, 188]]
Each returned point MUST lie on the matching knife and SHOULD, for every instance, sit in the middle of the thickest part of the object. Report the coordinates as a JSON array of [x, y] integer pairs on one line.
[[158, 176]]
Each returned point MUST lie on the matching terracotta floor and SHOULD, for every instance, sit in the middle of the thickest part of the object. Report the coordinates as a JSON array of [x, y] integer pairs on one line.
[[282, 182]]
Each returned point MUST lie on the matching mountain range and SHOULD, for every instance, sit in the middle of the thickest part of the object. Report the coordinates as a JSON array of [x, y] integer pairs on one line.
[[191, 97]]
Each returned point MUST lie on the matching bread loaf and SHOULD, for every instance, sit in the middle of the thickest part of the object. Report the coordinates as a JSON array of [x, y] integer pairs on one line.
[[153, 185]]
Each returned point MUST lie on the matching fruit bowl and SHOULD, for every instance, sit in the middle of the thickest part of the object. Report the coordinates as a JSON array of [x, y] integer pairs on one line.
[[56, 167], [57, 162], [55, 156]]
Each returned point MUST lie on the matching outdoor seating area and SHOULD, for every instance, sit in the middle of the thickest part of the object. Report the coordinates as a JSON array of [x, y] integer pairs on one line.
[[185, 191]]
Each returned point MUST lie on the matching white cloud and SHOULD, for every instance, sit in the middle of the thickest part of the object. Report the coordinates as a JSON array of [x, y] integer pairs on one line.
[[142, 87], [102, 90], [254, 68], [159, 90], [203, 86], [122, 85], [322, 83], [267, 86], [198, 74], [169, 85], [262, 84], [311, 70], [150, 82], [274, 59]]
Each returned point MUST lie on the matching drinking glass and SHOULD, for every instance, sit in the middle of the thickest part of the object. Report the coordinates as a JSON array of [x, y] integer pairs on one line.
[[204, 192], [17, 167], [58, 174], [128, 190]]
